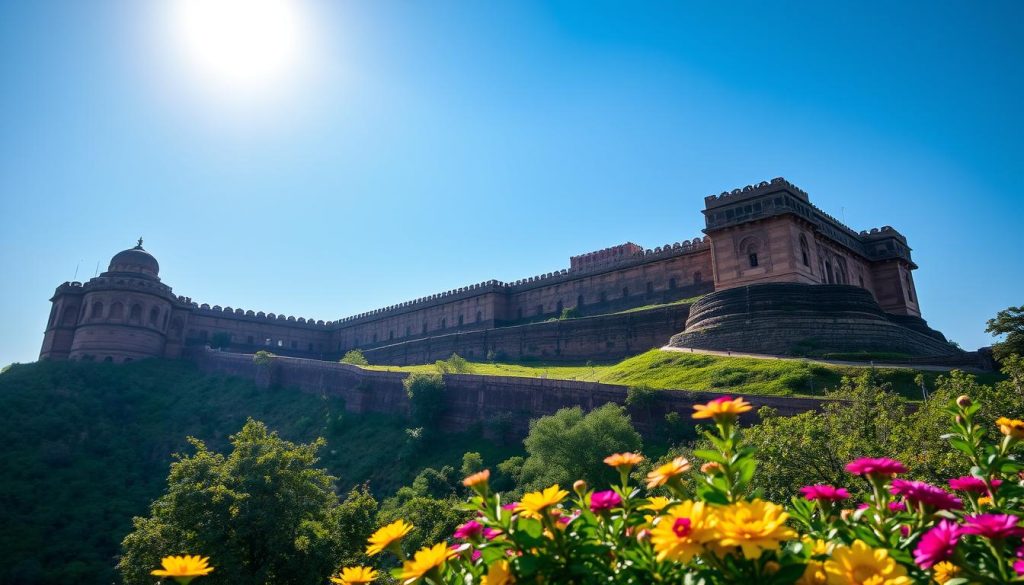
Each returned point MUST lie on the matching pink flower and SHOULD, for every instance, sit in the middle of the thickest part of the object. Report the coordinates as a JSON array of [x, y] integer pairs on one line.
[[491, 533], [925, 493], [875, 466], [511, 506], [824, 492], [606, 500], [896, 506], [1018, 567], [937, 544], [904, 530], [996, 526], [469, 530], [476, 555], [969, 483]]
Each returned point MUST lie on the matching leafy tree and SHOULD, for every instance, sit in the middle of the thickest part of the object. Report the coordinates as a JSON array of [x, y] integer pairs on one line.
[[456, 364], [570, 445], [263, 510], [472, 462], [354, 357], [426, 398], [1008, 322], [262, 357]]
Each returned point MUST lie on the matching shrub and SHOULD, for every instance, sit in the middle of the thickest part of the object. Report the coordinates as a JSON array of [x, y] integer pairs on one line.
[[262, 357], [354, 357], [456, 364], [426, 399], [569, 313]]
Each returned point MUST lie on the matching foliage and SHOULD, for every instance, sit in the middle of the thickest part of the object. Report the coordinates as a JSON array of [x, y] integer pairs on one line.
[[262, 357], [456, 364], [569, 313], [354, 357], [472, 462], [640, 397], [220, 340], [902, 531], [691, 371], [568, 445], [87, 446], [426, 392], [264, 510], [1008, 322]]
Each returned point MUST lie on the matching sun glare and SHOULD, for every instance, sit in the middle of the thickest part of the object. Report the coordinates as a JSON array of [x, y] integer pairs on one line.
[[240, 47]]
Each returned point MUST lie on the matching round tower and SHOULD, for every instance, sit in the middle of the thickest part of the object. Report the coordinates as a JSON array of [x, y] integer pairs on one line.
[[124, 311]]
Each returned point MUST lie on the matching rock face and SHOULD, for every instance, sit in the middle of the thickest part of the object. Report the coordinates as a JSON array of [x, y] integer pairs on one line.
[[804, 319]]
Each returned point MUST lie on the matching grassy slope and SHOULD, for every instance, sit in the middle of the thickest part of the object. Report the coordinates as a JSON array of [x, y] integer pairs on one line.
[[86, 446], [664, 369]]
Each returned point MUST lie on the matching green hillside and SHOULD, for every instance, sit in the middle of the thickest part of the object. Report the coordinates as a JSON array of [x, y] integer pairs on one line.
[[87, 446], [686, 371]]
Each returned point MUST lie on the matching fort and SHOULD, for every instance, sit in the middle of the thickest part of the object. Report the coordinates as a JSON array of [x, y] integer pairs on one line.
[[771, 274]]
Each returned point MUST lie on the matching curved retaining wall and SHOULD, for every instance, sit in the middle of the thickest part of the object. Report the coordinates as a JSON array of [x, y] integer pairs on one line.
[[470, 399], [789, 318]]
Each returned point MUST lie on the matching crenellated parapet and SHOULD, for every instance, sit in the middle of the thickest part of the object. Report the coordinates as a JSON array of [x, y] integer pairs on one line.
[[756, 190]]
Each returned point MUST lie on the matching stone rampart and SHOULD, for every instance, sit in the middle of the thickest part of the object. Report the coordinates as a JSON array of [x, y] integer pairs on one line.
[[469, 399], [599, 338], [787, 318]]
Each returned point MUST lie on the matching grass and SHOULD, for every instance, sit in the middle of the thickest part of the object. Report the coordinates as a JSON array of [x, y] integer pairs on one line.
[[686, 371], [687, 301]]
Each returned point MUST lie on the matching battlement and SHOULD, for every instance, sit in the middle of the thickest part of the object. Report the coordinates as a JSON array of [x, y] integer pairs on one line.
[[762, 188], [604, 256]]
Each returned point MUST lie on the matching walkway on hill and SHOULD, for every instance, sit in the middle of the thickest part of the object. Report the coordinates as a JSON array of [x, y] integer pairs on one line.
[[876, 364]]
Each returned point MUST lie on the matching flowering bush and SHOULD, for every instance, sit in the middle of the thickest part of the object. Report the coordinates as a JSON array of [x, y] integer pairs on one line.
[[904, 532]]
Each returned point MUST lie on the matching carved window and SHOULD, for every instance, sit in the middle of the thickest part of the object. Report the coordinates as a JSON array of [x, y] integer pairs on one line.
[[828, 272], [97, 310], [805, 251], [752, 258], [135, 314], [154, 315]]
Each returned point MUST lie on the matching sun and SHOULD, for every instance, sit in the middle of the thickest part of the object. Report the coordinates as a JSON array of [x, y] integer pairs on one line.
[[239, 46]]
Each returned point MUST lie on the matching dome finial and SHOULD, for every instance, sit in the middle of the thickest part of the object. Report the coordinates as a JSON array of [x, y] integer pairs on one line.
[[139, 245]]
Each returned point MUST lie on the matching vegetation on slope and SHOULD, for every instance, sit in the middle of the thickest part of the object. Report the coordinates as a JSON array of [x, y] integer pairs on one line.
[[87, 445], [687, 371]]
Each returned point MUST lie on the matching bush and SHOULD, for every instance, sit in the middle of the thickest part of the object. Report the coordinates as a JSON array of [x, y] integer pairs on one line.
[[262, 357], [454, 365], [569, 313], [426, 399], [354, 357]]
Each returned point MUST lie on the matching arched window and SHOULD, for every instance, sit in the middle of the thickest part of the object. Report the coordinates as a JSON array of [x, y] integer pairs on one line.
[[841, 275], [97, 310], [805, 253], [579, 301], [135, 314], [751, 246], [828, 272], [116, 311], [154, 316]]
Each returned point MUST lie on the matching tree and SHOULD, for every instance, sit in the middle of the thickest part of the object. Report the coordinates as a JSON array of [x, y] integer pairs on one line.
[[472, 462], [569, 445], [1008, 322], [426, 399], [263, 512], [354, 357]]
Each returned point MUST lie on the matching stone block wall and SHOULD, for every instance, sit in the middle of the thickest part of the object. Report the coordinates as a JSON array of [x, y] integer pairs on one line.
[[469, 399]]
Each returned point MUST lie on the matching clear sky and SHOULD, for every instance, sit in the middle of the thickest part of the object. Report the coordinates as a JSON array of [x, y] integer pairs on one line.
[[412, 147]]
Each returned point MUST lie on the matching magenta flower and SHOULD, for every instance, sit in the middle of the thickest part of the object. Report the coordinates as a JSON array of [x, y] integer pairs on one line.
[[897, 506], [469, 530], [476, 555], [606, 500], [510, 506], [925, 493], [995, 526], [937, 544], [824, 492], [875, 466], [969, 483], [491, 533]]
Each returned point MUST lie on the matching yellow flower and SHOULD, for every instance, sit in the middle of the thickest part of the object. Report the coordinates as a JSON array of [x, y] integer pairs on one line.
[[498, 574], [355, 576], [534, 503], [753, 526], [1011, 427], [722, 408], [861, 565], [818, 547], [424, 561], [684, 531], [477, 478], [814, 574], [388, 536], [985, 501], [656, 504], [944, 571], [184, 568], [667, 472], [627, 460]]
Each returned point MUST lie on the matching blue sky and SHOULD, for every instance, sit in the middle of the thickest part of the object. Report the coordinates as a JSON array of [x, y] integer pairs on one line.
[[429, 145]]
